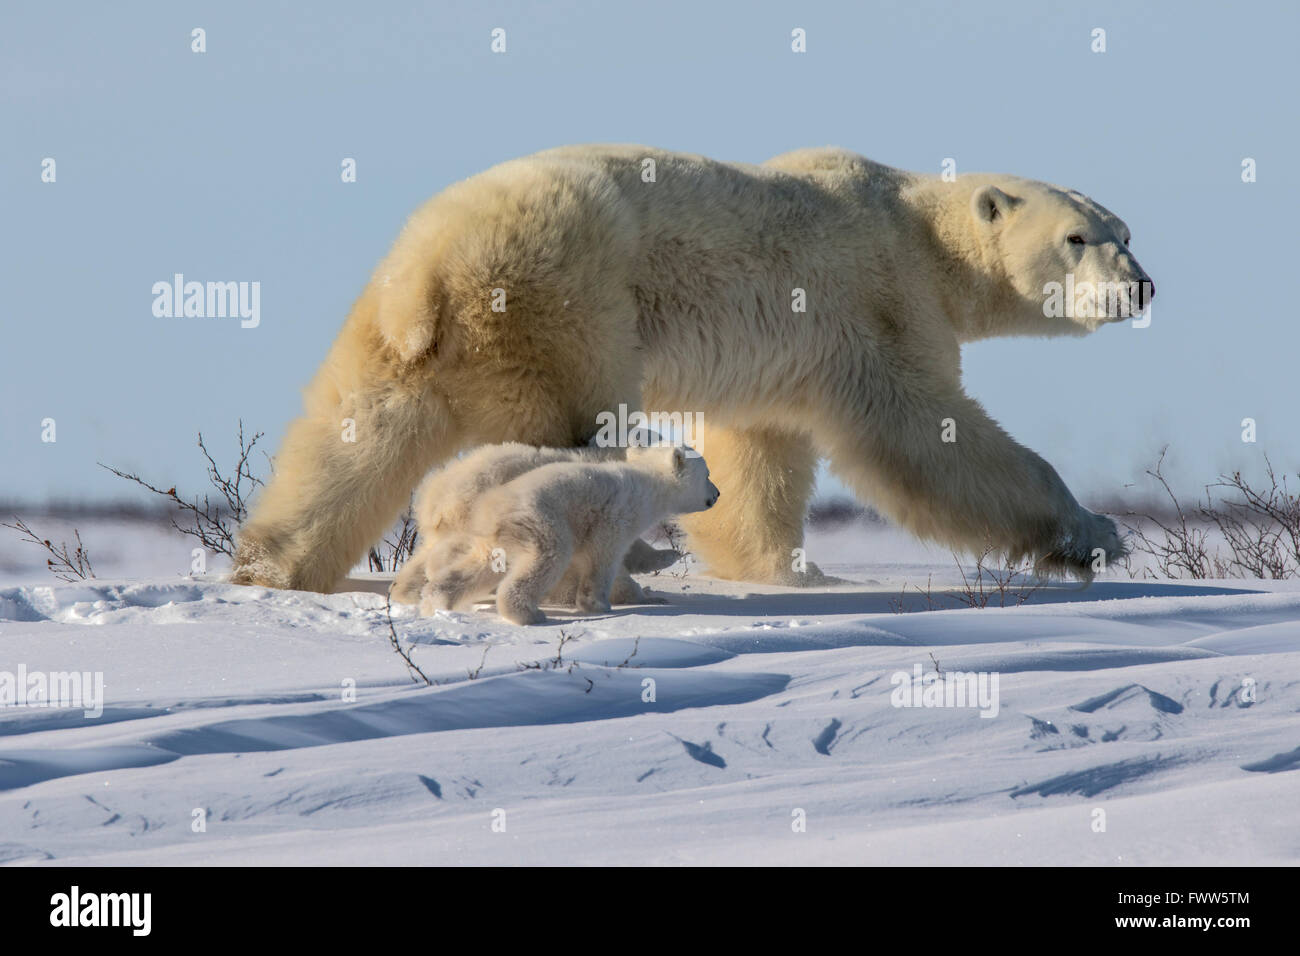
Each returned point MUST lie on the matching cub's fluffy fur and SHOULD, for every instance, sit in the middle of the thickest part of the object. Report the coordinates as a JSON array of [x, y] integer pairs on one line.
[[523, 536], [447, 498]]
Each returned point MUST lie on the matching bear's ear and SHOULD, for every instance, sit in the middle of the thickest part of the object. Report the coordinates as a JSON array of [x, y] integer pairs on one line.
[[989, 204], [679, 460]]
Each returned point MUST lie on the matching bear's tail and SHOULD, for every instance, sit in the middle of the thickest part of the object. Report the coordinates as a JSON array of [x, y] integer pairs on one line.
[[410, 304]]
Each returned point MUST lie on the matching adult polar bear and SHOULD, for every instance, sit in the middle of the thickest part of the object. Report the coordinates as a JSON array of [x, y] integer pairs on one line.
[[522, 302]]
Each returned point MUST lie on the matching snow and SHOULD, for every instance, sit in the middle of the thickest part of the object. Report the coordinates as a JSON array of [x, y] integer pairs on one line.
[[1173, 708]]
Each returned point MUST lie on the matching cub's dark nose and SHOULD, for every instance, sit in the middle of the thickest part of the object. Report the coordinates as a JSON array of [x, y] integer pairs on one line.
[[1146, 292]]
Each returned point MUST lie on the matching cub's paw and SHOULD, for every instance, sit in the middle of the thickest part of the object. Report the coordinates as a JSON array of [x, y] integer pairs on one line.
[[432, 600], [591, 605], [643, 558], [409, 582], [522, 615], [628, 591], [565, 593]]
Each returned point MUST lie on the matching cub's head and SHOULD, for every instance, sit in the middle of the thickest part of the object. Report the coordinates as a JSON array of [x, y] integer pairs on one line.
[[1065, 257], [686, 468]]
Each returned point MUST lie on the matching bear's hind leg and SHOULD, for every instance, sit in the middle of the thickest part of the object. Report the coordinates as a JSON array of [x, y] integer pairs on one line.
[[371, 427]]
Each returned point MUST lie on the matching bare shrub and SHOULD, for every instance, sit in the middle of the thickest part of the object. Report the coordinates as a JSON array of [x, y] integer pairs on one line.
[[1008, 583], [394, 551], [556, 663], [559, 663], [417, 675], [1260, 527], [627, 661], [474, 674], [899, 606], [672, 535], [1178, 545], [214, 521], [63, 564], [998, 583]]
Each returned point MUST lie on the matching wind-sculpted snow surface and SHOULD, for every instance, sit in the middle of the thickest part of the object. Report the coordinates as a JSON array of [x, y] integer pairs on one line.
[[1130, 723]]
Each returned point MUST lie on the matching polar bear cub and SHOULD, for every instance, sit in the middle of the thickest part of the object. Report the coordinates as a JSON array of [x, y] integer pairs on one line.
[[524, 535], [446, 500]]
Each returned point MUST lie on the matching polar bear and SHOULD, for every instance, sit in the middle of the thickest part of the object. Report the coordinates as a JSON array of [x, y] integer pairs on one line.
[[524, 535], [815, 305], [446, 500]]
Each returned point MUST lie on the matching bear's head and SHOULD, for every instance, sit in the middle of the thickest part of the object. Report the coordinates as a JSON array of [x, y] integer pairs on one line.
[[687, 470], [1065, 258]]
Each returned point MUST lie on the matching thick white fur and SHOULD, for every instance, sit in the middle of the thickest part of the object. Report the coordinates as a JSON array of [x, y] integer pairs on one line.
[[568, 516], [447, 497], [675, 295]]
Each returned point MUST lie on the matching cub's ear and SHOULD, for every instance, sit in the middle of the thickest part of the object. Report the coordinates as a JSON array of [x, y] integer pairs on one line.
[[679, 460], [989, 204]]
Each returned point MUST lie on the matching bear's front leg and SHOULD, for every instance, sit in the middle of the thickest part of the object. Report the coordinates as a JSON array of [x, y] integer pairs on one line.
[[934, 461], [766, 476]]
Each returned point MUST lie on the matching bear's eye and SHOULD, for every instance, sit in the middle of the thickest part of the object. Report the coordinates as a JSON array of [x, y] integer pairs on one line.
[[1074, 239]]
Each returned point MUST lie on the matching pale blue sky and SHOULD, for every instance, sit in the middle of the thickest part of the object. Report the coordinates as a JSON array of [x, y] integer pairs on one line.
[[225, 166]]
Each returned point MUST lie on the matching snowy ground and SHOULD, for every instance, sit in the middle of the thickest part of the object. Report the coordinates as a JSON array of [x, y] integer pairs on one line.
[[1173, 709]]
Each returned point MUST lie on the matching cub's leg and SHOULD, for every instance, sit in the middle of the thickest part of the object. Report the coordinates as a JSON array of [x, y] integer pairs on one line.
[[642, 558], [627, 591], [597, 568], [534, 565], [456, 575], [411, 578], [624, 591]]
